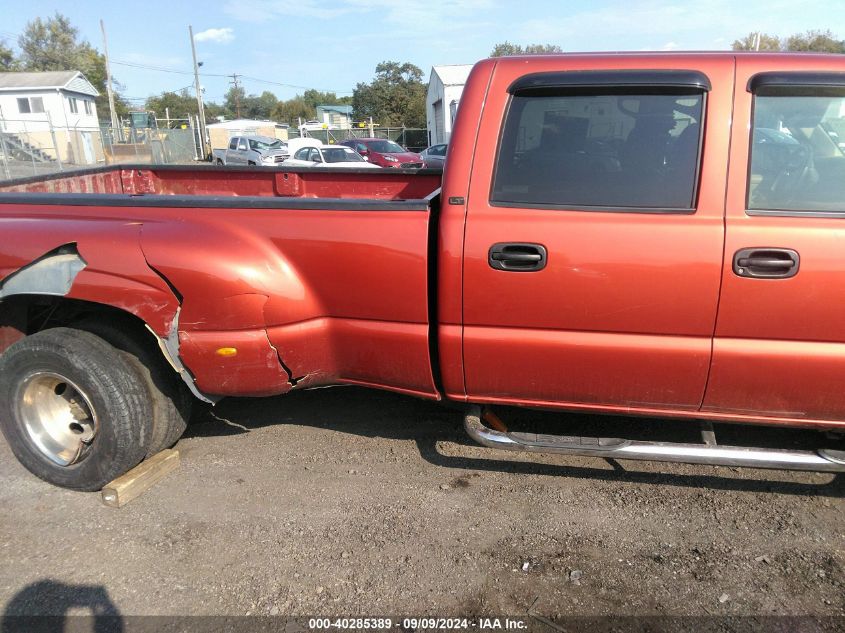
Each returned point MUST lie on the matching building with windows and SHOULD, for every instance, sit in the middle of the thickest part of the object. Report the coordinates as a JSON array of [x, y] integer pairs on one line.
[[338, 117], [52, 115], [445, 86]]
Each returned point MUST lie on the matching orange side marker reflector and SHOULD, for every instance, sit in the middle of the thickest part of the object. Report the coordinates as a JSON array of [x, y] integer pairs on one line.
[[227, 351]]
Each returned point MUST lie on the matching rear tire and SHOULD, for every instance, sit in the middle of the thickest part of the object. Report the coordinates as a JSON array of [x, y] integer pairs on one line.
[[220, 162], [74, 410], [170, 399]]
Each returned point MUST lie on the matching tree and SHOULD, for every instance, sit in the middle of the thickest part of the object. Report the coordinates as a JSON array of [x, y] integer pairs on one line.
[[816, 41], [396, 97], [180, 105], [7, 58], [53, 44], [506, 48], [250, 106], [749, 43], [292, 110]]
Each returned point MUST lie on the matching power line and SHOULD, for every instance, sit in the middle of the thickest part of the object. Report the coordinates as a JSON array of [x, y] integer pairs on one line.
[[276, 83], [163, 69]]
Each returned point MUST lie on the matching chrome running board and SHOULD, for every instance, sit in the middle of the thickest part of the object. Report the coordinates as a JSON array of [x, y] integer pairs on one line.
[[617, 448]]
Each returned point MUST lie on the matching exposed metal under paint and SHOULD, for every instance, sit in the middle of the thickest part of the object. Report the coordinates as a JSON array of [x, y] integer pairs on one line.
[[52, 274], [170, 348]]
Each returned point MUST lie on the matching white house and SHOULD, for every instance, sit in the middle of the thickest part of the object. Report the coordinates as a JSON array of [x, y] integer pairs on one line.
[[335, 116], [53, 112], [445, 86]]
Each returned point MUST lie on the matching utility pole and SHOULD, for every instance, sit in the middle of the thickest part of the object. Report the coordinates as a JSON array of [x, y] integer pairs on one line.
[[199, 94], [115, 124], [236, 85]]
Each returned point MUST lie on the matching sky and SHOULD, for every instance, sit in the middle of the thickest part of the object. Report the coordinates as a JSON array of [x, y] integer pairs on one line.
[[287, 46]]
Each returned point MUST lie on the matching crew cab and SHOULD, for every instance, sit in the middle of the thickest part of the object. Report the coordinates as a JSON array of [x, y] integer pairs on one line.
[[642, 235], [252, 150]]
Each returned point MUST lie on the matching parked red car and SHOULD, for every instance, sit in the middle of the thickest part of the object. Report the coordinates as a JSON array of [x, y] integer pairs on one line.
[[384, 153]]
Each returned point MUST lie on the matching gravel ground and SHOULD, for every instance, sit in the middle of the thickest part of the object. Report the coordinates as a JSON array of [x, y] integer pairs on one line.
[[350, 502]]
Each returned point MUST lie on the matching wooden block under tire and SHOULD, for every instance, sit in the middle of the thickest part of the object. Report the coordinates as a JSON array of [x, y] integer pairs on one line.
[[138, 480]]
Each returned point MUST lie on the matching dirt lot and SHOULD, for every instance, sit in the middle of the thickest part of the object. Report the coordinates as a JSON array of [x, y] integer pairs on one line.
[[344, 501]]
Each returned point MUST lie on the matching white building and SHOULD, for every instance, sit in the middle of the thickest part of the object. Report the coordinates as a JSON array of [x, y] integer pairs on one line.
[[445, 87], [220, 133], [338, 117], [53, 112]]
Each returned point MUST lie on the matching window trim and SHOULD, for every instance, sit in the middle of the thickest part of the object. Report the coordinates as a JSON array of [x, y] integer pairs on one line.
[[29, 101], [596, 89], [625, 79], [785, 84]]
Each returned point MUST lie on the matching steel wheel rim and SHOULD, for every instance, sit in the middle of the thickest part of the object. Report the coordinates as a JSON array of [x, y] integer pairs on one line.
[[57, 416]]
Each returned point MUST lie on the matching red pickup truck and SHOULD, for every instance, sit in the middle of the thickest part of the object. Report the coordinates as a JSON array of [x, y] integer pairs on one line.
[[640, 234]]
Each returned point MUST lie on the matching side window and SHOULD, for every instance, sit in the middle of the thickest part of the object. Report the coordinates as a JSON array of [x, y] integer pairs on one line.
[[301, 154], [601, 147], [242, 146], [233, 144], [798, 150]]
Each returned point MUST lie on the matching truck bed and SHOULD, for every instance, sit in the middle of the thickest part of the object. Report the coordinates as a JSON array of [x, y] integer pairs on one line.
[[315, 277], [180, 181]]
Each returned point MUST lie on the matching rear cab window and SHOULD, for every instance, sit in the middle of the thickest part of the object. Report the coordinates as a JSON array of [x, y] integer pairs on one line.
[[595, 140], [797, 157]]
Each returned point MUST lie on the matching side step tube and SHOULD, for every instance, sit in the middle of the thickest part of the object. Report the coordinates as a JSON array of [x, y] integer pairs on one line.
[[616, 448]]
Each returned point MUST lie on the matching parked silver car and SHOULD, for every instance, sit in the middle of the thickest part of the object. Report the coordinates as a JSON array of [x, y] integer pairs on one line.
[[252, 150]]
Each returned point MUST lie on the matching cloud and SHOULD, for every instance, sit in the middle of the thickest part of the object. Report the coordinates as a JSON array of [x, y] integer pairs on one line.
[[220, 36], [414, 14]]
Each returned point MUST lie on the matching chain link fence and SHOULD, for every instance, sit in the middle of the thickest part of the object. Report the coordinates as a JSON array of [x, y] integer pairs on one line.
[[31, 147], [34, 147], [414, 139]]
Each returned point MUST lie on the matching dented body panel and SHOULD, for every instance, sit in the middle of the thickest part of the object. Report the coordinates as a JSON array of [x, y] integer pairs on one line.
[[307, 296]]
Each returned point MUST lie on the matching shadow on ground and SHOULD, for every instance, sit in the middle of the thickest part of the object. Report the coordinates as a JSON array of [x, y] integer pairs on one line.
[[49, 606], [370, 413]]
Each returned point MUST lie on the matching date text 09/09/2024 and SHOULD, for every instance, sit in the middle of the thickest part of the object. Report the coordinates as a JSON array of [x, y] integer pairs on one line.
[[416, 624]]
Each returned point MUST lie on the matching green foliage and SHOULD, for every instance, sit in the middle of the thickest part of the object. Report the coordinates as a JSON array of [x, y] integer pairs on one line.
[[304, 106], [815, 41], [396, 97], [749, 42], [7, 58], [181, 105], [818, 41], [506, 48], [54, 44]]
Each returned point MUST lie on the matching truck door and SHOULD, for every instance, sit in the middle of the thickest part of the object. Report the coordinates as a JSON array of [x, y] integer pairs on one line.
[[779, 348], [594, 233], [232, 156]]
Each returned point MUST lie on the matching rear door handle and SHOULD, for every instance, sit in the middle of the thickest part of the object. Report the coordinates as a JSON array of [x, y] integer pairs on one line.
[[766, 263], [517, 257]]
